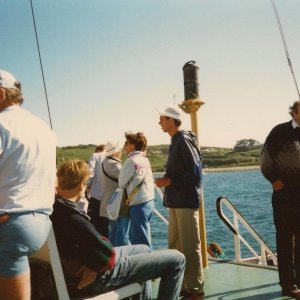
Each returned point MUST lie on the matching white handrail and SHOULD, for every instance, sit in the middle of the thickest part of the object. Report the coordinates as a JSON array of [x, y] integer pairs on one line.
[[265, 251], [161, 196]]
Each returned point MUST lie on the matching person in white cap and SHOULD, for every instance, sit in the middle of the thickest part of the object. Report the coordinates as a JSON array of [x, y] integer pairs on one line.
[[118, 230], [27, 188], [182, 182]]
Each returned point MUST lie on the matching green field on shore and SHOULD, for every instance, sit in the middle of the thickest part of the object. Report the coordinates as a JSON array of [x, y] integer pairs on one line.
[[213, 157]]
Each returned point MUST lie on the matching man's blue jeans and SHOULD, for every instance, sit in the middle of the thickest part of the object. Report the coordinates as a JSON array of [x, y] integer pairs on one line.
[[137, 264]]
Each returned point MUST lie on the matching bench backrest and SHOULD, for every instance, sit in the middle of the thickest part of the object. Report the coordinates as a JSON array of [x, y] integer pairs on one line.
[[49, 253]]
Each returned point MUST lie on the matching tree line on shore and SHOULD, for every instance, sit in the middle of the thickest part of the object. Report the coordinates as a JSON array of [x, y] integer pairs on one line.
[[246, 152]]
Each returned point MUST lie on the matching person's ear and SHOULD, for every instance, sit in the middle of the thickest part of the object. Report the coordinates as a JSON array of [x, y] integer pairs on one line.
[[83, 185]]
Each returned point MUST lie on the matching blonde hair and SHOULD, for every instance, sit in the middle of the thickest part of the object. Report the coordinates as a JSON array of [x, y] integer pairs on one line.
[[72, 173]]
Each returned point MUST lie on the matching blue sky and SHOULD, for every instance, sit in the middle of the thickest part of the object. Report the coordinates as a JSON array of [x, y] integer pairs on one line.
[[109, 65]]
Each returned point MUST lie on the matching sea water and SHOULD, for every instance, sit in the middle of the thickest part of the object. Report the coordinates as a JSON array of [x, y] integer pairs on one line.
[[247, 190]]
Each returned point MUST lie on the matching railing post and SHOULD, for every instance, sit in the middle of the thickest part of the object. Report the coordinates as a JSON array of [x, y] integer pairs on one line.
[[263, 255], [237, 245]]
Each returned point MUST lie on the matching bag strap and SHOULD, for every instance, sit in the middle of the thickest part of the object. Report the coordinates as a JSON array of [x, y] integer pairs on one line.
[[133, 193], [110, 177]]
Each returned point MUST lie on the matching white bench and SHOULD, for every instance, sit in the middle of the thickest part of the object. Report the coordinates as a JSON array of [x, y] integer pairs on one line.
[[49, 253]]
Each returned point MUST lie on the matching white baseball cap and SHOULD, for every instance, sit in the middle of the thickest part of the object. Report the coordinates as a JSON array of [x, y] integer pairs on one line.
[[7, 80], [171, 112], [112, 148]]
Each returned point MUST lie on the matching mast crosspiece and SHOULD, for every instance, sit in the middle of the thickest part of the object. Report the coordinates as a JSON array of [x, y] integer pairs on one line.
[[191, 105]]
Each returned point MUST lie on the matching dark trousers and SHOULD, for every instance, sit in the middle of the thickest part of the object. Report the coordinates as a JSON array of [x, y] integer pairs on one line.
[[286, 212], [100, 223]]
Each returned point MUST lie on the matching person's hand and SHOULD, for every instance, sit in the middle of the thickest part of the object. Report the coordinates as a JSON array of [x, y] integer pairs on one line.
[[4, 218], [277, 185], [163, 182], [88, 276]]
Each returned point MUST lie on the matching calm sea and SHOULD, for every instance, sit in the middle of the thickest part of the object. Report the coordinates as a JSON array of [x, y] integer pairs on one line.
[[247, 190]]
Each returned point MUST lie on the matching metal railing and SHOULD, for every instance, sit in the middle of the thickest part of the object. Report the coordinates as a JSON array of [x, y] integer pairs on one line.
[[265, 254], [161, 197]]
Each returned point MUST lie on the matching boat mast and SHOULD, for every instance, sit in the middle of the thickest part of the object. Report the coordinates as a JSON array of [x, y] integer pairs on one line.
[[41, 65], [285, 45], [190, 105]]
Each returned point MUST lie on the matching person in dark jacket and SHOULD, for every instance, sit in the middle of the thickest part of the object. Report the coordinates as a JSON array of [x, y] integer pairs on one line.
[[90, 263], [280, 164], [182, 182]]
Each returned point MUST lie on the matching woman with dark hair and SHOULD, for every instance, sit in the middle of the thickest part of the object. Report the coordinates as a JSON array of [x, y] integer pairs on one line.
[[136, 176]]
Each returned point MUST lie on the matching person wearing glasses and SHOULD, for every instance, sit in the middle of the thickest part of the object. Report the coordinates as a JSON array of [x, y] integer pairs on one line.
[[136, 176]]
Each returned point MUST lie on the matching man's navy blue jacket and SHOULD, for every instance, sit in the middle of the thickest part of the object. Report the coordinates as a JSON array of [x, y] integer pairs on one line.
[[184, 167]]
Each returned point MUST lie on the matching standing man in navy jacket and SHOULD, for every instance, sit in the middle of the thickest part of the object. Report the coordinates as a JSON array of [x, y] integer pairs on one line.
[[182, 183]]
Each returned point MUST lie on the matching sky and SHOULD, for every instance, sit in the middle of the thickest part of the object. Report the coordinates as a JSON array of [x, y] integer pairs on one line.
[[109, 65]]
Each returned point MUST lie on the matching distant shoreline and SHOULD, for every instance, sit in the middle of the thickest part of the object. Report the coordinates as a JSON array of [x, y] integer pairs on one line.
[[207, 170]]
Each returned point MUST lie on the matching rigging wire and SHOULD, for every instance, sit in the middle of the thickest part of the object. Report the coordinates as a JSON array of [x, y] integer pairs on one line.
[[285, 45], [41, 65]]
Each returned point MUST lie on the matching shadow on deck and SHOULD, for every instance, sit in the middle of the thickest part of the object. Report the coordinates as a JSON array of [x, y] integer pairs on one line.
[[229, 281]]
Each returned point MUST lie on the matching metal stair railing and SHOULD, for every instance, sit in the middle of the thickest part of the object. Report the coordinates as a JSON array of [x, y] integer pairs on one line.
[[265, 251], [161, 197]]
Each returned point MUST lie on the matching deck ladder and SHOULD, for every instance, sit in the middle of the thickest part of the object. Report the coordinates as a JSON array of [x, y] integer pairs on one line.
[[233, 225]]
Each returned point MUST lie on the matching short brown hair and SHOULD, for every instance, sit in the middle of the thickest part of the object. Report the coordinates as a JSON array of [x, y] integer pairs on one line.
[[137, 139], [100, 148], [71, 173]]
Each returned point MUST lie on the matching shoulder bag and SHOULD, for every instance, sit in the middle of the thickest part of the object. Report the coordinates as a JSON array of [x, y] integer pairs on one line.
[[114, 204], [118, 205]]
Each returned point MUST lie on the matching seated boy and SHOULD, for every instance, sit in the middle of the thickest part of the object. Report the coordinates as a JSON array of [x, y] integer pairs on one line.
[[91, 264]]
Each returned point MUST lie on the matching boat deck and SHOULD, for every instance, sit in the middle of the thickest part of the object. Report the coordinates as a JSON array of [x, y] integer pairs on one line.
[[229, 281]]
